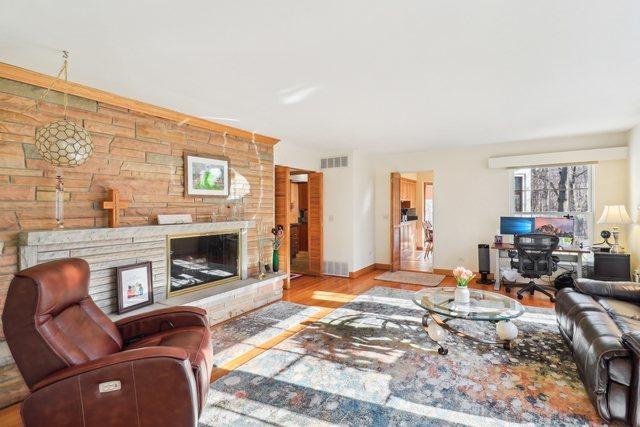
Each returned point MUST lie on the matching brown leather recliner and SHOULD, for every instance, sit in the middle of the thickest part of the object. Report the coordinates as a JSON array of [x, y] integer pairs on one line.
[[82, 369], [600, 321]]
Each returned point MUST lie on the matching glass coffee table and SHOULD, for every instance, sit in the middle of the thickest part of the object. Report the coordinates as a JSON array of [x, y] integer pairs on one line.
[[483, 306]]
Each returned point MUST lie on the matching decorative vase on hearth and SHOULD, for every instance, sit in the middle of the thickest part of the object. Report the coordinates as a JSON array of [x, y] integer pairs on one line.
[[276, 260]]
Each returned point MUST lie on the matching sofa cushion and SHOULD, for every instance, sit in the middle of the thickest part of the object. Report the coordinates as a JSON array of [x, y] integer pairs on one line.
[[570, 307], [625, 314], [197, 341], [626, 291]]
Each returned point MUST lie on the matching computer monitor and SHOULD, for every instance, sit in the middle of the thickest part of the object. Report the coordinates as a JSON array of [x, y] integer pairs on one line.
[[558, 226], [516, 225]]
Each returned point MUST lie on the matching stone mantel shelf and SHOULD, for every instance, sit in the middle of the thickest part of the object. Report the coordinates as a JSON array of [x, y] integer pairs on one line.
[[48, 237]]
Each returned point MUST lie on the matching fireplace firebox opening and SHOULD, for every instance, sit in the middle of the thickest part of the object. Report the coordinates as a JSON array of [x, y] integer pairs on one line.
[[200, 261]]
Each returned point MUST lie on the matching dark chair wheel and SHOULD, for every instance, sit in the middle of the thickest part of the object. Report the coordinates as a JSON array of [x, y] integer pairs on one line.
[[519, 296], [507, 289], [532, 291], [443, 351], [552, 299]]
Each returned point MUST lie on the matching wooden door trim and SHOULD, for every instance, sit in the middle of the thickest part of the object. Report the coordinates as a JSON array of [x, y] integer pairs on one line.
[[282, 196], [394, 220], [315, 231]]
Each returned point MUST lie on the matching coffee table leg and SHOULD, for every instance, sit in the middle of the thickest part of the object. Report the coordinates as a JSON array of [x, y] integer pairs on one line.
[[436, 332], [507, 331]]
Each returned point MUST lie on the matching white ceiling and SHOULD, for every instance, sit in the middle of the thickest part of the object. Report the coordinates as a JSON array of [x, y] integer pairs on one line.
[[352, 74]]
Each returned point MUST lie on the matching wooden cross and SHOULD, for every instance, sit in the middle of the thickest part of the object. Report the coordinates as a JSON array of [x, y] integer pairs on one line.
[[114, 204]]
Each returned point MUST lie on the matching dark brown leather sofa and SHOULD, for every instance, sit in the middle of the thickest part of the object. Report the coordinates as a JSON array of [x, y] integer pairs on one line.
[[82, 369], [600, 321]]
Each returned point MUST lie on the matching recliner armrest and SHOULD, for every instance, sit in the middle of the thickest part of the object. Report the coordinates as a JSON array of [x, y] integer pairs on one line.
[[626, 291], [113, 359], [138, 326]]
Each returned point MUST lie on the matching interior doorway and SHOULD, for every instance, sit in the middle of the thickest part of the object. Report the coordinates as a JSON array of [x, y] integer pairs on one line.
[[299, 222], [298, 206], [412, 224]]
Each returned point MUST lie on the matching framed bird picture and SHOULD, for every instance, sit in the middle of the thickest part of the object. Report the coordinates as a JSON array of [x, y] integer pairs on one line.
[[135, 286], [206, 175]]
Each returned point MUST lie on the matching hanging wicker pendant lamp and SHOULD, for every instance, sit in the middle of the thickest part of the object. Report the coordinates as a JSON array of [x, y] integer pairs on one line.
[[62, 144]]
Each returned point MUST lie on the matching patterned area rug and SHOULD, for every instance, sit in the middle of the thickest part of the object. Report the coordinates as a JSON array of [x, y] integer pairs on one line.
[[370, 363], [423, 279]]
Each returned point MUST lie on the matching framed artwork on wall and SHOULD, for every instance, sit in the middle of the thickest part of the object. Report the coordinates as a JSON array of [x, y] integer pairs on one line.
[[206, 175], [135, 286]]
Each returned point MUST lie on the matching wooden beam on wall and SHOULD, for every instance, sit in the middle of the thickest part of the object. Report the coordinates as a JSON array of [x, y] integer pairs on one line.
[[593, 155], [34, 78]]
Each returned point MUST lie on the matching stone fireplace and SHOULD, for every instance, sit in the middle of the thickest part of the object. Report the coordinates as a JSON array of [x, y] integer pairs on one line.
[[200, 264]]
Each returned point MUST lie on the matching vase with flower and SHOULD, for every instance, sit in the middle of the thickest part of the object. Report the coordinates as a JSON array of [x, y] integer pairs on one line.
[[276, 241], [463, 277]]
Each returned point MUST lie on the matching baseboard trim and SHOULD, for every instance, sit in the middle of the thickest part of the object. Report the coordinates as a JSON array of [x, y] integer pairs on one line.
[[449, 272], [382, 266], [364, 270]]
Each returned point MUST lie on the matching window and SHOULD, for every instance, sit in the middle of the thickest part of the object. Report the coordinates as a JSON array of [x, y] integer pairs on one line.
[[555, 191]]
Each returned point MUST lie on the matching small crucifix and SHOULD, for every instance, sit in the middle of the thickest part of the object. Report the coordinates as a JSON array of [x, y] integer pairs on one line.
[[114, 204]]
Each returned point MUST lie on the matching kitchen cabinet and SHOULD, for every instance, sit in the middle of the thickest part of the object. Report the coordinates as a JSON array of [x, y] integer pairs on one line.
[[408, 191]]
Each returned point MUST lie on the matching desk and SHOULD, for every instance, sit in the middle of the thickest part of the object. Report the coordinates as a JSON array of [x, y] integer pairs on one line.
[[566, 253]]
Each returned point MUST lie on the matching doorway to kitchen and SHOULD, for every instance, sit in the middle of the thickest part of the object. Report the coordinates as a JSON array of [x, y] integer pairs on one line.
[[412, 230], [298, 207], [299, 222]]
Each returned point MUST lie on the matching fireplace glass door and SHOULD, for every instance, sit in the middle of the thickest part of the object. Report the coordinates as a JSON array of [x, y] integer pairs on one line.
[[201, 261]]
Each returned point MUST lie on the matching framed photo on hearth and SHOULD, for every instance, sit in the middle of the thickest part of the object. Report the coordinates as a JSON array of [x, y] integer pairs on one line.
[[135, 286], [206, 175]]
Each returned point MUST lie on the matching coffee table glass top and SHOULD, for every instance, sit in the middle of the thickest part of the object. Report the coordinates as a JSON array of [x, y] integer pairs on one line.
[[482, 305]]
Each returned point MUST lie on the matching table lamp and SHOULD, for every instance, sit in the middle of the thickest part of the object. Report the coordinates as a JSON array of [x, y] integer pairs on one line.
[[615, 215]]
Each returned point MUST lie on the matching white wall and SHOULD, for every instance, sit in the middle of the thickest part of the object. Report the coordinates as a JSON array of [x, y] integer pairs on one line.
[[348, 203], [363, 211], [338, 214], [611, 188], [288, 154], [633, 236], [469, 197], [349, 212]]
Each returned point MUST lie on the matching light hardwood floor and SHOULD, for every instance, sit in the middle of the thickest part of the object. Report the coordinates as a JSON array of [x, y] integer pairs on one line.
[[414, 260], [328, 292], [333, 292]]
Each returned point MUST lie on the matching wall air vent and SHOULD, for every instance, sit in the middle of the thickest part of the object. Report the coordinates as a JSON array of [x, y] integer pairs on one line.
[[335, 268], [334, 162]]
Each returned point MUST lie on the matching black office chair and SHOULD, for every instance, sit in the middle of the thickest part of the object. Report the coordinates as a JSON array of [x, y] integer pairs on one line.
[[535, 259]]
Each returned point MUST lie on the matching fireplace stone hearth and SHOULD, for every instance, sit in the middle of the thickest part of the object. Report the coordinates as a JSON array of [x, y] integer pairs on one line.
[[107, 248]]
